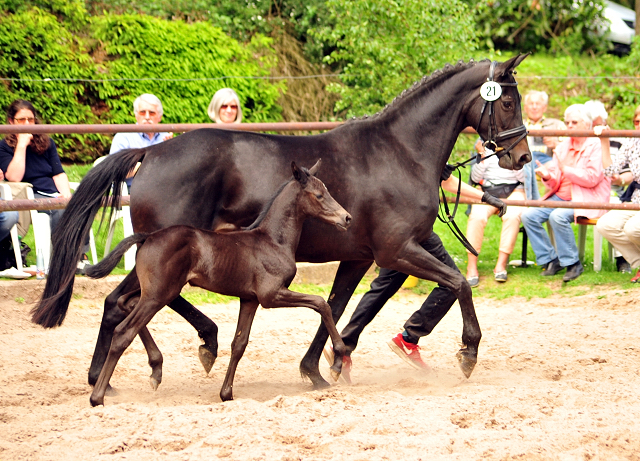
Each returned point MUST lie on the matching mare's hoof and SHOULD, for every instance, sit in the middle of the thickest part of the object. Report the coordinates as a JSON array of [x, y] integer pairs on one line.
[[95, 401], [226, 396], [154, 383], [207, 359], [316, 378], [467, 361]]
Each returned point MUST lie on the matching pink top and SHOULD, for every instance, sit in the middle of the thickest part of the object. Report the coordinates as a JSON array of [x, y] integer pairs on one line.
[[588, 182]]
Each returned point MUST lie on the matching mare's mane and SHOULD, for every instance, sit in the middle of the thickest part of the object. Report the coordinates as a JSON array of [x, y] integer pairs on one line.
[[426, 82], [267, 206]]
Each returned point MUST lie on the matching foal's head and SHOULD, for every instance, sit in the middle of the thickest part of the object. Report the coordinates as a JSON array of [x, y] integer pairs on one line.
[[315, 200]]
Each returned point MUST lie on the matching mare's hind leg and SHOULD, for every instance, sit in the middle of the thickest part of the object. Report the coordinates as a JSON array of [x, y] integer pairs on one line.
[[206, 328], [240, 340], [347, 278], [111, 317], [123, 335], [413, 259], [127, 303]]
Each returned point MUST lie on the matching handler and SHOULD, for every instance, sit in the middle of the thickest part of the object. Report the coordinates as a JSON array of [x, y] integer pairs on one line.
[[389, 281]]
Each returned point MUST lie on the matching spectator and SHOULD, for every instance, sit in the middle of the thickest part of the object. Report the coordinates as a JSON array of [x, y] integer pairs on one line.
[[535, 105], [500, 183], [574, 174], [225, 107], [33, 158], [147, 109], [599, 117], [389, 281], [622, 227]]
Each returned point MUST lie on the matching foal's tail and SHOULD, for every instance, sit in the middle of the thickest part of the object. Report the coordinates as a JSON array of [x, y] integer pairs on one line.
[[103, 180], [104, 267]]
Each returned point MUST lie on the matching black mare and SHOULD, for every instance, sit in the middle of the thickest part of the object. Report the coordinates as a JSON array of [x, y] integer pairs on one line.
[[256, 264], [384, 169]]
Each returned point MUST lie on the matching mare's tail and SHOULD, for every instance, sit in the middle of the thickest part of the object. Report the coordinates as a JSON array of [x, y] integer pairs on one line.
[[103, 180], [104, 267]]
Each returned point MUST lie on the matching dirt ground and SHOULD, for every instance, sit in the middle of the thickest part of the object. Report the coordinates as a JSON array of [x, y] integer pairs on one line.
[[557, 379]]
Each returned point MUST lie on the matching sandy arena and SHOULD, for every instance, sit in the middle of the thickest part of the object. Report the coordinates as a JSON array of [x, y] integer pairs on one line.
[[557, 379]]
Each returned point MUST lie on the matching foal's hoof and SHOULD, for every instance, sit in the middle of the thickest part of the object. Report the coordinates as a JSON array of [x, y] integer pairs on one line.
[[95, 401], [335, 375], [207, 359], [467, 361]]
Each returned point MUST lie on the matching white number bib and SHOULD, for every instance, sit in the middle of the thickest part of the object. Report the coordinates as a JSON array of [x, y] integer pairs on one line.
[[490, 91]]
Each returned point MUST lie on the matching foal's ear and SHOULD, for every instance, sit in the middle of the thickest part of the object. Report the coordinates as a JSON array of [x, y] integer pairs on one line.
[[314, 169], [298, 174], [508, 66]]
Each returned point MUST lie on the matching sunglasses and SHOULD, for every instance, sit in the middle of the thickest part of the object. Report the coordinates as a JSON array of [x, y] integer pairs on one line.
[[230, 106], [23, 120]]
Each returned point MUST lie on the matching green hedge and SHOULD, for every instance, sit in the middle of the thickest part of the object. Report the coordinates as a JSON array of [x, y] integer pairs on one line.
[[38, 45]]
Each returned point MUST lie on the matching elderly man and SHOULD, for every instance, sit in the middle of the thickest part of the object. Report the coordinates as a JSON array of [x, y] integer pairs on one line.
[[535, 105], [575, 173], [147, 110]]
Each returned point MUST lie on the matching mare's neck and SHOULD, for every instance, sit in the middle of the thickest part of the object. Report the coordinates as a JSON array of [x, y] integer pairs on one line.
[[283, 221]]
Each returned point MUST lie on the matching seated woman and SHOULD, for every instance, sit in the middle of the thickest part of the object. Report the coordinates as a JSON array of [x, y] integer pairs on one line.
[[225, 107], [500, 183], [575, 173], [622, 227], [33, 158], [8, 219]]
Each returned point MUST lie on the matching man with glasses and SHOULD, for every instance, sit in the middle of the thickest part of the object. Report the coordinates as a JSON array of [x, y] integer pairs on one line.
[[147, 110]]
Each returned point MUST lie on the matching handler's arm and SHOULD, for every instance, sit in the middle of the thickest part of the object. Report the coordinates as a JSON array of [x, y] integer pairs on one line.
[[451, 185]]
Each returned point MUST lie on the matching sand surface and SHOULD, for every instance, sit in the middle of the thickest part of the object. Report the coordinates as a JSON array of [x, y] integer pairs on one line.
[[557, 378]]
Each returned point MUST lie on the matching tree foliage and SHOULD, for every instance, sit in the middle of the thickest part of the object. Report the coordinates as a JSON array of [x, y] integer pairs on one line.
[[383, 46], [562, 26]]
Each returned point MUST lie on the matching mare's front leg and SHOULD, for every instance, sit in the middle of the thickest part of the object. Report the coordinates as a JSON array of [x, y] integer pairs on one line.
[[206, 328], [414, 260], [347, 278], [111, 317], [287, 298], [123, 335], [240, 340], [127, 303]]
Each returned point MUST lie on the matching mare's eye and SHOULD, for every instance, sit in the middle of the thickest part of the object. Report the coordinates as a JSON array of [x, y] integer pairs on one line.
[[508, 105]]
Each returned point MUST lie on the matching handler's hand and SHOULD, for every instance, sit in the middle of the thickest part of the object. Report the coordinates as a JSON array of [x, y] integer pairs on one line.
[[495, 202]]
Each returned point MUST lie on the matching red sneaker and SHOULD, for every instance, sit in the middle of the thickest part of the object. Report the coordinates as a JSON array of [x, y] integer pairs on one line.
[[408, 352], [636, 278], [345, 375]]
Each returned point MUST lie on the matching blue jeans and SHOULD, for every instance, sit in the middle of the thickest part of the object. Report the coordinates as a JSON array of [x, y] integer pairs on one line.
[[7, 220], [542, 157], [560, 220]]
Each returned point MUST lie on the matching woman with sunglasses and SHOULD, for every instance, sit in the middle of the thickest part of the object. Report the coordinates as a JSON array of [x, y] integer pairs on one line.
[[622, 227], [575, 173], [225, 107], [33, 158]]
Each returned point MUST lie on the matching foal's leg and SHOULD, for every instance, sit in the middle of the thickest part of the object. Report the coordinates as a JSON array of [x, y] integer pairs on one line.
[[123, 335], [111, 317], [206, 328], [127, 303], [287, 298], [240, 340], [416, 261], [347, 278]]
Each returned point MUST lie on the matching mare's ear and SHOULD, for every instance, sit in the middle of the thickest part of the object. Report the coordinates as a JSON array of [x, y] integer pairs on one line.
[[314, 169], [505, 67], [298, 174]]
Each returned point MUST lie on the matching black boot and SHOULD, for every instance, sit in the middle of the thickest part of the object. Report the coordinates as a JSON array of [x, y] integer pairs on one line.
[[552, 268], [573, 272]]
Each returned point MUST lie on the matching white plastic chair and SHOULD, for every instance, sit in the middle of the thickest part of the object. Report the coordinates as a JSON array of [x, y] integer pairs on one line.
[[5, 193], [92, 240], [124, 214]]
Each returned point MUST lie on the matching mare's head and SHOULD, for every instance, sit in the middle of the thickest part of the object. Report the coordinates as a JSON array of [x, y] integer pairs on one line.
[[315, 200], [496, 113]]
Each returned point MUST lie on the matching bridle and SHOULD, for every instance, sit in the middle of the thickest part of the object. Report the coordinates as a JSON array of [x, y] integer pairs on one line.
[[492, 140], [492, 144]]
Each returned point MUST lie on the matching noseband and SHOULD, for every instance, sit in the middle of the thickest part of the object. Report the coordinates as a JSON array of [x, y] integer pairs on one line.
[[492, 140]]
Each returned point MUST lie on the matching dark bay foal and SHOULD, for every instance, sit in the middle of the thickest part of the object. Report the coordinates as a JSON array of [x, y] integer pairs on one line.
[[256, 264]]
